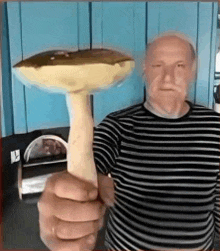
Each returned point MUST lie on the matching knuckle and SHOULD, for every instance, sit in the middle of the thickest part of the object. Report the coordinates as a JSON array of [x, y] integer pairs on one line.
[[52, 181], [73, 231], [58, 188], [49, 182], [94, 210], [62, 231], [45, 204]]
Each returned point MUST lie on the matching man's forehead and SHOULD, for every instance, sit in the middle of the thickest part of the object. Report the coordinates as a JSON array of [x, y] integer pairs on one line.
[[169, 45], [169, 42]]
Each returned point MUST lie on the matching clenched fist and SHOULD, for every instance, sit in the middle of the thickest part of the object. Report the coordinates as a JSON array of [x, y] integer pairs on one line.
[[71, 211]]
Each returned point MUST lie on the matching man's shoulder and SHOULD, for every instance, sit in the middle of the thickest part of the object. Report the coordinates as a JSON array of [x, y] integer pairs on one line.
[[127, 112], [204, 109], [203, 113]]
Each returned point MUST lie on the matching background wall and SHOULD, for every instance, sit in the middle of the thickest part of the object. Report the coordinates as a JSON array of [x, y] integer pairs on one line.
[[33, 27]]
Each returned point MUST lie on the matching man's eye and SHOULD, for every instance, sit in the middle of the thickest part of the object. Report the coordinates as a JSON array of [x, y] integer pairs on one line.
[[156, 65], [181, 66]]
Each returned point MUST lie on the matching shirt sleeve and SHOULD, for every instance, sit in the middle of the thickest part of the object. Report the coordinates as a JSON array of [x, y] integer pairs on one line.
[[106, 144]]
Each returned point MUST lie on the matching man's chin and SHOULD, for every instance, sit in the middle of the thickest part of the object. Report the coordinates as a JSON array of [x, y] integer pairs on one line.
[[169, 99], [171, 94]]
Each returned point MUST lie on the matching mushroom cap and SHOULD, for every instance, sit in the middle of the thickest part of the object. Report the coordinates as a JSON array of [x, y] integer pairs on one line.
[[75, 71], [80, 57]]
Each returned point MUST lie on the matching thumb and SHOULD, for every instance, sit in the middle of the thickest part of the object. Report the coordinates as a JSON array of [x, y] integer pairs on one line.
[[106, 189]]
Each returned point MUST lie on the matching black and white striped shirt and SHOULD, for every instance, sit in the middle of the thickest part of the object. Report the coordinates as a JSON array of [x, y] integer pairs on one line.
[[166, 175]]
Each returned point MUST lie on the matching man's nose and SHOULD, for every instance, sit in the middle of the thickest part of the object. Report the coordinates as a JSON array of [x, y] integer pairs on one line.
[[169, 74]]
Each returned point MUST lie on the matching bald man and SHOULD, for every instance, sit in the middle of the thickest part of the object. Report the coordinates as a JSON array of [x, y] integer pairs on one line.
[[163, 157]]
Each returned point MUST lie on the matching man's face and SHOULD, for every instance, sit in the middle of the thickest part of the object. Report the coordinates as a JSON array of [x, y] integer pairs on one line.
[[169, 70]]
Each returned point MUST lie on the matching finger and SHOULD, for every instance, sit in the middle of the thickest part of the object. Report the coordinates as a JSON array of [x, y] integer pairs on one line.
[[56, 244], [47, 224], [45, 204], [64, 229], [68, 210], [71, 187], [51, 181], [106, 189]]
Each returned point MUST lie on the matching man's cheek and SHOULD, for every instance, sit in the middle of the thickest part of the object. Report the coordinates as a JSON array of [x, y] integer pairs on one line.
[[181, 76], [153, 89]]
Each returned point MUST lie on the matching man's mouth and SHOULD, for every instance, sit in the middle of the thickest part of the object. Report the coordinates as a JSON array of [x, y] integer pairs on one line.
[[167, 89]]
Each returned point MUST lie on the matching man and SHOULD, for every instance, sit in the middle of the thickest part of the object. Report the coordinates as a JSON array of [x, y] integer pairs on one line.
[[163, 156]]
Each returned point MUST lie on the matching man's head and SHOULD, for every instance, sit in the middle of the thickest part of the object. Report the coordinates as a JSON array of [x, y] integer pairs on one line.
[[170, 67]]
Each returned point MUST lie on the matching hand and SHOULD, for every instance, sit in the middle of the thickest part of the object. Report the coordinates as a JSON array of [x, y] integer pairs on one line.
[[71, 211]]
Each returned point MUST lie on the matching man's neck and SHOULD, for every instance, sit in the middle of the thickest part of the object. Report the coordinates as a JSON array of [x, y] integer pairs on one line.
[[164, 111]]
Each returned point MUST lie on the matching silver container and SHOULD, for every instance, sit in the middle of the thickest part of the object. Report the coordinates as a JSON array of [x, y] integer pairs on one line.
[[43, 157]]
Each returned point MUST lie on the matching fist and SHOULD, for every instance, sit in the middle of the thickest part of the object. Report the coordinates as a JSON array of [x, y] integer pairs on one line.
[[71, 211]]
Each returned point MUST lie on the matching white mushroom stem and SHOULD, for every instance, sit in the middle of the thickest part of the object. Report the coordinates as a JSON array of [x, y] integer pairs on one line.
[[80, 160]]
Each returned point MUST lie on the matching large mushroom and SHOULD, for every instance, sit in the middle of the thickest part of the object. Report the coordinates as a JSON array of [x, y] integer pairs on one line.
[[77, 74]]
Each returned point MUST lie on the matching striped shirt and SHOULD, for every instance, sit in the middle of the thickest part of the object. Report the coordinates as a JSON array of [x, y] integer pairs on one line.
[[166, 176]]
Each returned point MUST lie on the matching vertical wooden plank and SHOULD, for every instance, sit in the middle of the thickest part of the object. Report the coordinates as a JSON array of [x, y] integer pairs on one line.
[[153, 20], [140, 38], [204, 45], [119, 21], [14, 32], [214, 49], [6, 87], [18, 97], [97, 24], [53, 25], [83, 25], [180, 17]]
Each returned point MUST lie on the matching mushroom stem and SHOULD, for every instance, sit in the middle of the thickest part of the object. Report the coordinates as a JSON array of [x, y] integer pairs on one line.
[[80, 158]]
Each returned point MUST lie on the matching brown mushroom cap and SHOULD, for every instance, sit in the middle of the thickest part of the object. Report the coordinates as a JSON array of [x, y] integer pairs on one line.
[[75, 71], [64, 57]]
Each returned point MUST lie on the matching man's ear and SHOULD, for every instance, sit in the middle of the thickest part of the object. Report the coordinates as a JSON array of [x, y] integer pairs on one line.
[[194, 71]]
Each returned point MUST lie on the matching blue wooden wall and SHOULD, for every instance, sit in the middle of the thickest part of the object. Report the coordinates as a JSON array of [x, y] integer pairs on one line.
[[33, 27]]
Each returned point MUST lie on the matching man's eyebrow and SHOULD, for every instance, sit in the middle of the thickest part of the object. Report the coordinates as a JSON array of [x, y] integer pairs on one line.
[[161, 61], [181, 61], [156, 61]]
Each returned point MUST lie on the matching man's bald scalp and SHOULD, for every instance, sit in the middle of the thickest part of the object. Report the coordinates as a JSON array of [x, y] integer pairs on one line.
[[175, 35]]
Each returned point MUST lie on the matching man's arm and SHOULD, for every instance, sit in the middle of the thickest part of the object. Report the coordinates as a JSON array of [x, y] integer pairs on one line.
[[106, 144], [71, 211]]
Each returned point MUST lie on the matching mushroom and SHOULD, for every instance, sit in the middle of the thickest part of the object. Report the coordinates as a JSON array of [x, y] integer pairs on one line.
[[77, 73]]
